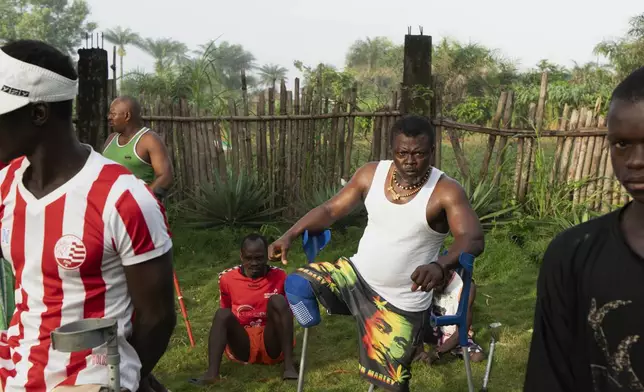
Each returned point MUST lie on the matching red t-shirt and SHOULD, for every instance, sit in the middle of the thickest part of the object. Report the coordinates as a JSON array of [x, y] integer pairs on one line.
[[3, 165], [248, 298]]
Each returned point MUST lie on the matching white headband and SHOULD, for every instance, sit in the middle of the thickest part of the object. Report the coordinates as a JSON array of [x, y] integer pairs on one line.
[[23, 83]]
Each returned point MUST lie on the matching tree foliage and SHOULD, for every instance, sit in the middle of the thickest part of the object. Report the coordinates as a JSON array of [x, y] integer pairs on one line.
[[469, 76], [54, 21]]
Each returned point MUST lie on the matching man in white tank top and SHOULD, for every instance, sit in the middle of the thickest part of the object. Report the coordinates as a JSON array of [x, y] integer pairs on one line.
[[387, 285]]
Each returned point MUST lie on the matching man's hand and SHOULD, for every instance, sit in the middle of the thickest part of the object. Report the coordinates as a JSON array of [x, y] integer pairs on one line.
[[278, 250], [426, 277]]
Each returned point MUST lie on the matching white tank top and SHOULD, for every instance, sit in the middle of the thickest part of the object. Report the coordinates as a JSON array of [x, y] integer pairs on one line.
[[397, 239]]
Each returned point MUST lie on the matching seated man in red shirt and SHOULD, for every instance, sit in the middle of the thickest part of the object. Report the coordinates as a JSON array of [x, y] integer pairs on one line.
[[254, 323]]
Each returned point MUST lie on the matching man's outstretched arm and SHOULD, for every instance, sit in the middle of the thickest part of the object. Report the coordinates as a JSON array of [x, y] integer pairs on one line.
[[463, 223], [349, 197]]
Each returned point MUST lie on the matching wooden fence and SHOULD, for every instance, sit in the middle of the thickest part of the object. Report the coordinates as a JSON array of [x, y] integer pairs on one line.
[[293, 141], [580, 162], [296, 141]]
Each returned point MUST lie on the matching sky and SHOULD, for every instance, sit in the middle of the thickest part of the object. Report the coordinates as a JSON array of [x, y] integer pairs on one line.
[[282, 31]]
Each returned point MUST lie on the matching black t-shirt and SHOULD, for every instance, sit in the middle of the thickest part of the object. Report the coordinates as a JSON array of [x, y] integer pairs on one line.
[[589, 318]]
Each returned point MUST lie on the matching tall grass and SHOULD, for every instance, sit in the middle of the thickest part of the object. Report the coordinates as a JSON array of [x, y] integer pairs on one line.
[[549, 205]]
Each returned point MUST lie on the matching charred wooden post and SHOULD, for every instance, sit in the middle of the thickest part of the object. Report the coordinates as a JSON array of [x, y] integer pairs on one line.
[[92, 104], [416, 89]]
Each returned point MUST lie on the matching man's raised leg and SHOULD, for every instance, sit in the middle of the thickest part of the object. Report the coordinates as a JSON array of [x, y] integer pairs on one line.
[[278, 334], [225, 331]]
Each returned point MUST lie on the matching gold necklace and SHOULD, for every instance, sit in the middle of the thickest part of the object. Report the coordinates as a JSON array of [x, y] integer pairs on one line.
[[396, 196]]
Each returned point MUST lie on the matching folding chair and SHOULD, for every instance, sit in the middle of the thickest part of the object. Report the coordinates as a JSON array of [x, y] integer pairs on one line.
[[89, 334]]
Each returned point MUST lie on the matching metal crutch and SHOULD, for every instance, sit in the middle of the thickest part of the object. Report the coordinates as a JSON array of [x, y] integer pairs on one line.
[[465, 270], [88, 334], [495, 332], [312, 245]]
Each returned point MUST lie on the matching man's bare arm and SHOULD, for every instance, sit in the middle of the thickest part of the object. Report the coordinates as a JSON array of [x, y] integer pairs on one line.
[[452, 341], [340, 205], [151, 287], [160, 161], [463, 223]]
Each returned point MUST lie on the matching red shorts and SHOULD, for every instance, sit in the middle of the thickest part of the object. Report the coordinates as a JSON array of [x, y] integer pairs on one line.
[[258, 354]]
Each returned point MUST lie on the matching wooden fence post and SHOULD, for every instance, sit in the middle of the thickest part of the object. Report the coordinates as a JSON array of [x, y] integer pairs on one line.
[[91, 103], [417, 77]]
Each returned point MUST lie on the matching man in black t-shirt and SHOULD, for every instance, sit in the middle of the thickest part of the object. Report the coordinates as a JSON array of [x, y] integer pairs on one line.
[[589, 318]]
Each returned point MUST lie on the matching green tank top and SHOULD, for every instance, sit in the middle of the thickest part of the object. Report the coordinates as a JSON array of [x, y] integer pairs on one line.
[[126, 155]]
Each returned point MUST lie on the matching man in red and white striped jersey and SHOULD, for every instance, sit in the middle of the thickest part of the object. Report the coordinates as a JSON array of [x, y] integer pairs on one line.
[[85, 237]]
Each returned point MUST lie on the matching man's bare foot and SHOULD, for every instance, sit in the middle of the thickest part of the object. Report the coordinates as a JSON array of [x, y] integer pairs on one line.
[[422, 357], [205, 380]]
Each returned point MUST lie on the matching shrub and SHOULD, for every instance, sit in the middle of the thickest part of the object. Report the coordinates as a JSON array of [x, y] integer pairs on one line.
[[238, 201]]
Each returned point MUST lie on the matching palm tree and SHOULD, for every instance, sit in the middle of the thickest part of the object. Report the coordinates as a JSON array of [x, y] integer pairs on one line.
[[121, 38], [269, 73], [625, 54], [166, 52], [462, 68], [370, 53], [229, 60]]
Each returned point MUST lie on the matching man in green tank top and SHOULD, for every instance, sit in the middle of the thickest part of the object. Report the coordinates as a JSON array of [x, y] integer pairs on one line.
[[137, 147]]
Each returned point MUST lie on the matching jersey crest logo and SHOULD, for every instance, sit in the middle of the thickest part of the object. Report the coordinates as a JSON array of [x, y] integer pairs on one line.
[[70, 252]]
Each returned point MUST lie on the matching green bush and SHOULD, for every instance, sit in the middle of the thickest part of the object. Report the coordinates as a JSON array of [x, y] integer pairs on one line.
[[239, 200], [488, 205]]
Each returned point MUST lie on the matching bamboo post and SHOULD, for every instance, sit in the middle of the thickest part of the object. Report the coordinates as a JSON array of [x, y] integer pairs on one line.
[[272, 147], [491, 140], [203, 149], [507, 124], [290, 153], [351, 123], [584, 165], [607, 182], [297, 134], [340, 141], [461, 161], [593, 189], [377, 136], [281, 160], [233, 139], [260, 138], [245, 128], [528, 156], [558, 158], [576, 163], [566, 153], [179, 143], [176, 152]]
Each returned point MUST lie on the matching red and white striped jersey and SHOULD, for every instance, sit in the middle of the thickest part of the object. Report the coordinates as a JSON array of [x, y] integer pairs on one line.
[[68, 250]]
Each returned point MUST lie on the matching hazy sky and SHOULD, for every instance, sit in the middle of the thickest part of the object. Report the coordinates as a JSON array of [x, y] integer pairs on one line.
[[281, 31]]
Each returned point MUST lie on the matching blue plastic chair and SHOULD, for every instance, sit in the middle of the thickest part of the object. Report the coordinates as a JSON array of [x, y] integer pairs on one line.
[[312, 245], [465, 270]]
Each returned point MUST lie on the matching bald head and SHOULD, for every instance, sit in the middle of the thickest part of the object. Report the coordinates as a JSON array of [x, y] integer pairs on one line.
[[125, 114]]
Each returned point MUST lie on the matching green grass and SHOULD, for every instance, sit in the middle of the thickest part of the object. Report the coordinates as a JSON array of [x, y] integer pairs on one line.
[[505, 275]]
